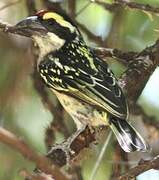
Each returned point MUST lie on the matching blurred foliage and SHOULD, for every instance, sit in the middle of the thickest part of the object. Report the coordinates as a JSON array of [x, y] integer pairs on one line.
[[21, 110]]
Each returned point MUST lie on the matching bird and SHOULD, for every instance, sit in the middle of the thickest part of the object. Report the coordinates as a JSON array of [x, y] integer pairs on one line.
[[83, 83]]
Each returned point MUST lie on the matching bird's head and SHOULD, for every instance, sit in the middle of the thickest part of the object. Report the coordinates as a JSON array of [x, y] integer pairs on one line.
[[48, 28]]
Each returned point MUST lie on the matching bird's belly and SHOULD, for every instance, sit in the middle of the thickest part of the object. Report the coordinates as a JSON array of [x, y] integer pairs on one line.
[[81, 112]]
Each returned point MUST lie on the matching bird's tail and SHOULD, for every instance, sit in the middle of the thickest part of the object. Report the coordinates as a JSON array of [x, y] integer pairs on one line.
[[129, 139]]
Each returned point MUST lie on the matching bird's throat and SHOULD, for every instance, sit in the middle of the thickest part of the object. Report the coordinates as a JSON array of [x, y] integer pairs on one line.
[[48, 43]]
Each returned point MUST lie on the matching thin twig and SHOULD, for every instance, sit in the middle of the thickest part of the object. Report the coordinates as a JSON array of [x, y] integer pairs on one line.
[[123, 57], [72, 8], [31, 6], [83, 8], [108, 6]]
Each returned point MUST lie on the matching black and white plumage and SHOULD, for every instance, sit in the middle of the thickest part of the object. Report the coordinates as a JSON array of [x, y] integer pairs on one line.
[[85, 77], [83, 83]]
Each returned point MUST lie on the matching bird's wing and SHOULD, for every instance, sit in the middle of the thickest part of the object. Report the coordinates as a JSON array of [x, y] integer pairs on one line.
[[97, 87]]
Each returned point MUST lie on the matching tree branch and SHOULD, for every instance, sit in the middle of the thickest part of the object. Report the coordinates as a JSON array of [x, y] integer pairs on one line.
[[140, 68], [123, 3], [142, 167], [123, 57], [4, 26], [139, 6], [9, 4], [35, 176], [61, 154], [42, 163]]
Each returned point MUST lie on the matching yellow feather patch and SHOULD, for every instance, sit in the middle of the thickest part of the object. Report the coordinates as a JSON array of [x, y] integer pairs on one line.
[[59, 19]]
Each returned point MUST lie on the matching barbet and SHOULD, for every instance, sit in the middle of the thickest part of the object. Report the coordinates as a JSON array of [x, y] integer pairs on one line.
[[82, 82]]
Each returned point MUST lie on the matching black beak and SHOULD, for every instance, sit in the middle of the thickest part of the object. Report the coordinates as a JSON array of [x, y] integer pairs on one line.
[[29, 27]]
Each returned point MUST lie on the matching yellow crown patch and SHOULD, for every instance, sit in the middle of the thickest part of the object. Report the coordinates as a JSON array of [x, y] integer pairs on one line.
[[59, 19]]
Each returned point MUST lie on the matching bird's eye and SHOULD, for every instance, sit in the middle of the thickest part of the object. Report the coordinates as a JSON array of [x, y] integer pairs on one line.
[[51, 21]]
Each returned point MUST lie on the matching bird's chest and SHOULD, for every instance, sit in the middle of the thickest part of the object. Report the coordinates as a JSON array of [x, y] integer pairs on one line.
[[52, 73], [81, 112]]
